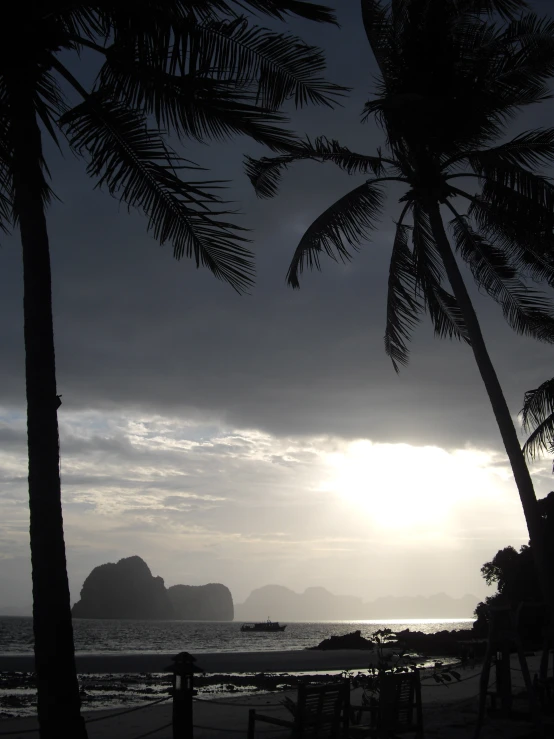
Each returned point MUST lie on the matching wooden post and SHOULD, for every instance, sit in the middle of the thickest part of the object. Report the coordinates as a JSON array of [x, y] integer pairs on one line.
[[251, 723], [504, 679], [183, 693], [503, 638]]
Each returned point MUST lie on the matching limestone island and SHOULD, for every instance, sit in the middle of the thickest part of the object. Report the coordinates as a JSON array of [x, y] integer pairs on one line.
[[127, 589]]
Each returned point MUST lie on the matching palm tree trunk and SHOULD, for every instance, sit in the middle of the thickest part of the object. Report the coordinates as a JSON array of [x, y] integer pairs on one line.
[[500, 409], [58, 701]]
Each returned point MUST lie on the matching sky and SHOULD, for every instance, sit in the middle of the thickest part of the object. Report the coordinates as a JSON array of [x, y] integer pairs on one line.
[[264, 438]]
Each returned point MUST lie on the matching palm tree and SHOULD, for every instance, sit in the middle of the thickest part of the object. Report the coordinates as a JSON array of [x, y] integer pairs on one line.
[[188, 68], [450, 79], [538, 418]]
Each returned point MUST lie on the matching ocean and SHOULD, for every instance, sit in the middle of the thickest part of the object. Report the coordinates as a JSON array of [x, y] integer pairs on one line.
[[114, 637], [93, 636]]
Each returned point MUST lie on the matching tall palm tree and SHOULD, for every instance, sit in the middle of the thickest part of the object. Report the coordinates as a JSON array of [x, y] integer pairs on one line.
[[188, 68], [451, 76]]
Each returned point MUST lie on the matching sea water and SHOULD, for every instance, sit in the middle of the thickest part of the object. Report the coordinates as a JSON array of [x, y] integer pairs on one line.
[[110, 636], [104, 637]]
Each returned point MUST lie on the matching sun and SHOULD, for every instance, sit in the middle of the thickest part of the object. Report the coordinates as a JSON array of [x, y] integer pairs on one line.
[[400, 486]]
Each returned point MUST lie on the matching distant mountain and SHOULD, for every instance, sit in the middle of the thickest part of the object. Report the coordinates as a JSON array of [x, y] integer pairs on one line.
[[212, 602], [123, 590], [128, 589], [318, 604]]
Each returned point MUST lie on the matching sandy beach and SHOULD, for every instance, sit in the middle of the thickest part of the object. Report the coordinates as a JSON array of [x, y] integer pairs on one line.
[[291, 661], [449, 712]]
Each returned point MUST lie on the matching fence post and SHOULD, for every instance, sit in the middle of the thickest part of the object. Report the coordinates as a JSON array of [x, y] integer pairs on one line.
[[183, 692], [504, 679]]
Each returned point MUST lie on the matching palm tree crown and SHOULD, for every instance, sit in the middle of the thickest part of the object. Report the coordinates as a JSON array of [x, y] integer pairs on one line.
[[450, 80], [190, 68]]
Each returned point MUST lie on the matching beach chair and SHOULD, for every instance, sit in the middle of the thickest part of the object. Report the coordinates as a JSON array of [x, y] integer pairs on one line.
[[320, 712], [397, 710]]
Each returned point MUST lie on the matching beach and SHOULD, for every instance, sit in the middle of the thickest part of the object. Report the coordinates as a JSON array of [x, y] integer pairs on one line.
[[286, 661], [450, 712]]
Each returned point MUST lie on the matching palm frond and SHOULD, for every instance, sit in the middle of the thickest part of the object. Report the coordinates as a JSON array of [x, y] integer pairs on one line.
[[137, 167], [75, 17], [377, 25], [278, 66], [282, 8], [527, 311], [443, 309], [528, 149], [521, 72], [6, 173], [50, 103], [503, 182], [265, 173], [7, 218], [427, 259], [538, 417], [523, 200], [403, 302], [347, 223], [44, 98], [455, 80], [198, 107], [135, 13], [446, 315], [506, 9], [529, 248], [518, 209]]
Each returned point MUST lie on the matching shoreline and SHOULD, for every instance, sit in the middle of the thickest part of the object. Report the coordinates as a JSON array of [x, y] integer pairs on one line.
[[450, 712], [211, 662]]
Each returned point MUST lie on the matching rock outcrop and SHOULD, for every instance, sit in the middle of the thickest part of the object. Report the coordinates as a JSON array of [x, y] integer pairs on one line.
[[123, 590], [212, 602], [128, 589], [439, 643], [354, 640]]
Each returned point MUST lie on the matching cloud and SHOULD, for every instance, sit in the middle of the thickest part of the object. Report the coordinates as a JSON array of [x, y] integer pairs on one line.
[[205, 506]]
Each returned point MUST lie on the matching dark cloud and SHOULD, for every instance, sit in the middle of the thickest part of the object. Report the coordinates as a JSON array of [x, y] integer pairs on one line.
[[12, 438]]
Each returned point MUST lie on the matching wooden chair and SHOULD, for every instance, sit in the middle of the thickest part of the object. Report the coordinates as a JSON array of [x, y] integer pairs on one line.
[[397, 711], [320, 712]]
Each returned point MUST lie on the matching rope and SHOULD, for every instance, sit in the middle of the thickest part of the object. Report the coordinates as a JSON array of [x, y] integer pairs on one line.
[[21, 731], [234, 731], [100, 718], [215, 728], [154, 731], [129, 710], [265, 706]]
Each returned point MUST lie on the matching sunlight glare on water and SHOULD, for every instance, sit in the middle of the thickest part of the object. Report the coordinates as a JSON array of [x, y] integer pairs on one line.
[[158, 637]]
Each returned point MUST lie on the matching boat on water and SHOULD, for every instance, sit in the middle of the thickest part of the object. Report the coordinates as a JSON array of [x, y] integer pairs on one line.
[[264, 626]]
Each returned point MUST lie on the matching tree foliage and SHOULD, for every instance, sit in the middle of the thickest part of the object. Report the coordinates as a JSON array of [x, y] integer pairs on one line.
[[188, 68], [451, 77], [514, 574]]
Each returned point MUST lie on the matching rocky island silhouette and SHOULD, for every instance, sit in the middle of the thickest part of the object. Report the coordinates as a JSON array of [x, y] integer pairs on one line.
[[127, 589]]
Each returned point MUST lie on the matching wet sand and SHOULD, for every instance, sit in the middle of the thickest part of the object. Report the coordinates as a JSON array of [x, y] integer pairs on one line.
[[292, 661]]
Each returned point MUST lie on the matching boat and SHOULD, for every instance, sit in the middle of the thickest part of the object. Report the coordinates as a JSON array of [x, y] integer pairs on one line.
[[268, 625]]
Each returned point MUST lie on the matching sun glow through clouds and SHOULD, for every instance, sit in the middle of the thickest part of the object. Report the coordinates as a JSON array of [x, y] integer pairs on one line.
[[399, 486]]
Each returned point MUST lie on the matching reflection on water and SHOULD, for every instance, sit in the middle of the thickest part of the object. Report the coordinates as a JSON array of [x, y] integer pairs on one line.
[[108, 636]]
